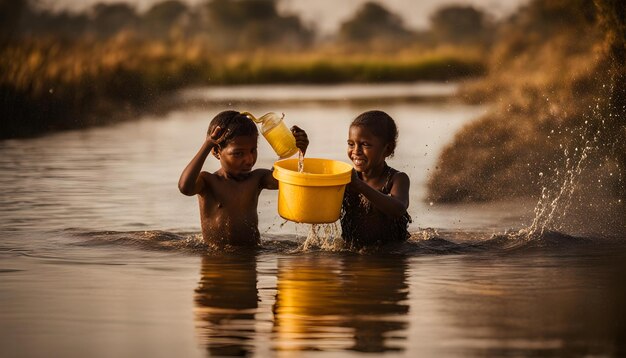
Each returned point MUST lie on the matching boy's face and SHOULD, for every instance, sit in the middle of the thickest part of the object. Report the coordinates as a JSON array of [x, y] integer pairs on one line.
[[239, 155]]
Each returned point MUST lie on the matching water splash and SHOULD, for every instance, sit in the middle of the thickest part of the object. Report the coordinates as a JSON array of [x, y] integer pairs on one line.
[[556, 198], [325, 237], [424, 234], [554, 203]]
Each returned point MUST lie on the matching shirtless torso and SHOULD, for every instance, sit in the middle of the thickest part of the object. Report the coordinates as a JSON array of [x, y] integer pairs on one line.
[[228, 207]]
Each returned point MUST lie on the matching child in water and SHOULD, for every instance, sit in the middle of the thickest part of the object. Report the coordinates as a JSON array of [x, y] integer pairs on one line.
[[374, 209], [228, 198]]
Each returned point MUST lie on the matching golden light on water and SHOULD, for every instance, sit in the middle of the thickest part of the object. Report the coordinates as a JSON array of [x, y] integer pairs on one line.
[[307, 291]]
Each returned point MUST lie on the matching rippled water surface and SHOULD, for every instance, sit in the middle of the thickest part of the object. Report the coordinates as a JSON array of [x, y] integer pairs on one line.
[[100, 255]]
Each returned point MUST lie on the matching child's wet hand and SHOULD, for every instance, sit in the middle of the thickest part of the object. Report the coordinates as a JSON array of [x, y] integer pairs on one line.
[[302, 140], [217, 135]]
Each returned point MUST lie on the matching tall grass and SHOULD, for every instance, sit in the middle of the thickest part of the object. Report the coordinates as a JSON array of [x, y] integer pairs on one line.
[[47, 84]]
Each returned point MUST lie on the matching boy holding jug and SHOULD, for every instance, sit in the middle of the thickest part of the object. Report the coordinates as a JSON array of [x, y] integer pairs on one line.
[[228, 198]]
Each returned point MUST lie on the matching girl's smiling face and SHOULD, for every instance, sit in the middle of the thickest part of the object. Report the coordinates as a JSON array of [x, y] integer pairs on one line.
[[239, 155], [366, 150]]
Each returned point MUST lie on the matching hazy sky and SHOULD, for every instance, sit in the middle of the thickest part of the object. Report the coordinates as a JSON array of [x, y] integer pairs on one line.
[[328, 14]]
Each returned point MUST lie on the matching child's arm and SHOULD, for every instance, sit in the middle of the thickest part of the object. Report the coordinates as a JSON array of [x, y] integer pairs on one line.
[[190, 182], [394, 204], [302, 142]]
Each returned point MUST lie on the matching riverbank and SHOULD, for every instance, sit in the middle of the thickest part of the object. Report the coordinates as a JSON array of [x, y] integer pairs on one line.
[[556, 125], [47, 85]]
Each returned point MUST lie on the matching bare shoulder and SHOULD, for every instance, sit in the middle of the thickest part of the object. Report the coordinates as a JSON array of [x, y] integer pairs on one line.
[[206, 179], [265, 179], [399, 189], [261, 172], [400, 180], [402, 177], [206, 175]]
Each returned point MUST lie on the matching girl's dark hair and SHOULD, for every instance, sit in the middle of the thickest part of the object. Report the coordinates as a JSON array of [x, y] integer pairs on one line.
[[381, 124], [235, 123]]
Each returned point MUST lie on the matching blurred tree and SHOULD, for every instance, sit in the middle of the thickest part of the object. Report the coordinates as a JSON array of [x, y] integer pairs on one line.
[[161, 17], [373, 22], [233, 16], [537, 24], [552, 16], [109, 19], [251, 24], [62, 24], [460, 24], [10, 13], [24, 17]]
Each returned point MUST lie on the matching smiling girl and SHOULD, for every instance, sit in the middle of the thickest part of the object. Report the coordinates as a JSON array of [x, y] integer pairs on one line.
[[374, 209]]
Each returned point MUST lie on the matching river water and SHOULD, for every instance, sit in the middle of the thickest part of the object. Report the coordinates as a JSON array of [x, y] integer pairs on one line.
[[101, 256]]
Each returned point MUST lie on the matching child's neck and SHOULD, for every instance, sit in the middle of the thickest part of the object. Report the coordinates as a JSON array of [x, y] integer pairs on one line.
[[375, 173], [228, 176]]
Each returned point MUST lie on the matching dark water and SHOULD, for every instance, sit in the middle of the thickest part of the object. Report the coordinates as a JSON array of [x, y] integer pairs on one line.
[[100, 256]]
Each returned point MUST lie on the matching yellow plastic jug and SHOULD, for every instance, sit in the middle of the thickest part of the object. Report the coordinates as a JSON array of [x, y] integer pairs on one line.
[[313, 196], [276, 133]]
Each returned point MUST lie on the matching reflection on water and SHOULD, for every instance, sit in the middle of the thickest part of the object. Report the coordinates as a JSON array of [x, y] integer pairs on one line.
[[333, 303], [321, 302], [226, 301], [524, 302]]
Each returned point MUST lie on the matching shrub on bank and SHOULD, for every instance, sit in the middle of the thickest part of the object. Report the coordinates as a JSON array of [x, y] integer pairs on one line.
[[556, 87]]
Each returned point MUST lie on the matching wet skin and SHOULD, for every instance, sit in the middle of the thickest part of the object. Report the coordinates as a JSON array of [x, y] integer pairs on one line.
[[229, 197]]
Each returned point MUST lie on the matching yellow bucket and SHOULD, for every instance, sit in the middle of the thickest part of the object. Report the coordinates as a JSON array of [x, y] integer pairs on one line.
[[315, 195]]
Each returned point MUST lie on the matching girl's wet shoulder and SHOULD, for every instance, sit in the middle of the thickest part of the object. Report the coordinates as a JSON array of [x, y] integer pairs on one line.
[[402, 176], [396, 179]]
